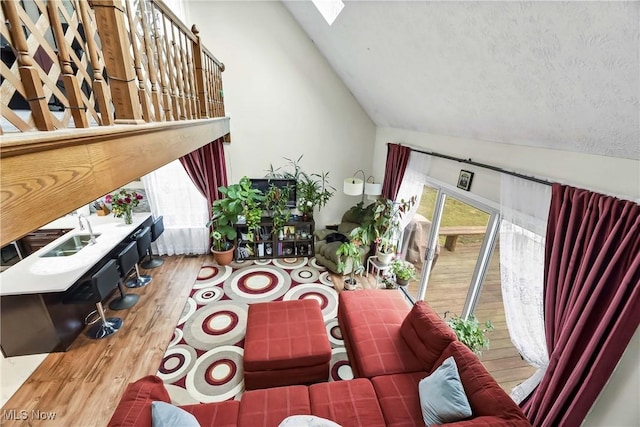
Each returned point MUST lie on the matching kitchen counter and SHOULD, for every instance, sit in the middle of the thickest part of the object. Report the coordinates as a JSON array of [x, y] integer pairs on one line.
[[35, 274]]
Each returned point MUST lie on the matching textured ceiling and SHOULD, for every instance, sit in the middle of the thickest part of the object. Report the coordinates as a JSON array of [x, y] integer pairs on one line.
[[562, 75]]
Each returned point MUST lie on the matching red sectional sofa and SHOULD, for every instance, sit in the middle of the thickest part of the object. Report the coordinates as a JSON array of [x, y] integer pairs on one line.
[[391, 348]]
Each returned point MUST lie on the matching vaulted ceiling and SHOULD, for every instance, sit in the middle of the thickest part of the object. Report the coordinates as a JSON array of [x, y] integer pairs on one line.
[[562, 75]]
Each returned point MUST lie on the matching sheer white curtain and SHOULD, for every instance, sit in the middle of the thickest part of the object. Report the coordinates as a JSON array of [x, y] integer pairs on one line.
[[412, 185], [173, 195], [524, 209], [413, 182]]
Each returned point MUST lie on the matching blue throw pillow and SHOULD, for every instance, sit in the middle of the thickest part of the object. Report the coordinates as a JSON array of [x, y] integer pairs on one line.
[[442, 396], [166, 415]]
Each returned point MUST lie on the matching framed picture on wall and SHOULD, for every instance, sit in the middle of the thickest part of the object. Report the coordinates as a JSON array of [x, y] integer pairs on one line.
[[464, 180]]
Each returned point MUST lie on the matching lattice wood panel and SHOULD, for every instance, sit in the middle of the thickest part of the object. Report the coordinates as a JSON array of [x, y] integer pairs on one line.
[[57, 46]]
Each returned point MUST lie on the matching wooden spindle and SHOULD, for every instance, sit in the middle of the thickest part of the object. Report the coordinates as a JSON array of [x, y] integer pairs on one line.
[[166, 99], [185, 77], [69, 80], [110, 21], [173, 91], [101, 91], [199, 77], [151, 69], [177, 63], [31, 82], [192, 82], [137, 63]]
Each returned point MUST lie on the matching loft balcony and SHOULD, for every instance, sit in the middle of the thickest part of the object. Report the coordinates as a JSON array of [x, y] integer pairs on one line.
[[96, 94]]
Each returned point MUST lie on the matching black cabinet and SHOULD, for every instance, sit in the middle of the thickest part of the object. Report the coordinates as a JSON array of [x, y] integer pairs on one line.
[[294, 240]]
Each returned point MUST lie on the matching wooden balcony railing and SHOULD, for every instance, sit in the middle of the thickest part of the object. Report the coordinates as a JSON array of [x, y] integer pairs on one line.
[[79, 64], [94, 95]]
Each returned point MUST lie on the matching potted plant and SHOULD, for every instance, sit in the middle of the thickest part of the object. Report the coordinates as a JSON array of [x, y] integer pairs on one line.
[[311, 189], [349, 251], [240, 199], [470, 332], [381, 225], [404, 271], [275, 202]]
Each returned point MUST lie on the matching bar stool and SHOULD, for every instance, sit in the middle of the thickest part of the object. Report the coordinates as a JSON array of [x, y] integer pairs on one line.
[[127, 258], [143, 243], [99, 287], [156, 230]]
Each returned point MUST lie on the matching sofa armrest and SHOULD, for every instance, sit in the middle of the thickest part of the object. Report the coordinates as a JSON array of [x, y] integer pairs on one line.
[[323, 233], [488, 420]]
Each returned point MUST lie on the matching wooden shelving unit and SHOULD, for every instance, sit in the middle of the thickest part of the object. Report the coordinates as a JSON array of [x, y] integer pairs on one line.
[[295, 240]]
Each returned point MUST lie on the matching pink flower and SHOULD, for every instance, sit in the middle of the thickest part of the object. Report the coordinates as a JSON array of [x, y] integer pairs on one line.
[[138, 196], [108, 198], [127, 199]]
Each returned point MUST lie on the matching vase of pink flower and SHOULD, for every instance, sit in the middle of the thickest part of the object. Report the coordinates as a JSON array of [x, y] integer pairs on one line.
[[122, 204]]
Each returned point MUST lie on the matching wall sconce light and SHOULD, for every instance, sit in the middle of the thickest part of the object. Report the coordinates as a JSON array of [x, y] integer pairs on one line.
[[353, 186]]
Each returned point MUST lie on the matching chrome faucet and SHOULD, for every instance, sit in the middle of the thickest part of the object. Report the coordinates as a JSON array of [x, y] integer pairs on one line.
[[93, 238]]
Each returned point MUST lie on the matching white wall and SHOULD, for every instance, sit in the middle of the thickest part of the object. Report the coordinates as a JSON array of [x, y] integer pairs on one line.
[[617, 404], [283, 97]]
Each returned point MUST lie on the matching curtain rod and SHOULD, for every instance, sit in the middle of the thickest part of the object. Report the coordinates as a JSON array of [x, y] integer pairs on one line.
[[482, 165]]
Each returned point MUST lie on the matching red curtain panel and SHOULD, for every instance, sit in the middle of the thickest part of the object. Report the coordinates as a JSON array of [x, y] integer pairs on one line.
[[207, 169], [397, 160], [591, 300]]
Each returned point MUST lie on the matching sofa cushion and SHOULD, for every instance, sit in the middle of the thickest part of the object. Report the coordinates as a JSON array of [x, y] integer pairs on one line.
[[134, 408], [268, 407], [398, 398], [166, 415], [426, 334], [442, 397], [485, 395], [220, 414], [348, 403], [370, 323]]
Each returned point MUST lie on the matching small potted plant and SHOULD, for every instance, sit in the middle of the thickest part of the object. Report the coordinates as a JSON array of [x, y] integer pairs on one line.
[[404, 271], [470, 332], [349, 251]]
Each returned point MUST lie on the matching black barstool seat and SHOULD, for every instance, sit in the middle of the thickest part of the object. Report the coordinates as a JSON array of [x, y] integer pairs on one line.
[[127, 258], [156, 230], [102, 283]]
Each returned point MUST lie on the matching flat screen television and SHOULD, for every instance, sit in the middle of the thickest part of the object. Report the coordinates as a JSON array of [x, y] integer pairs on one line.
[[263, 185]]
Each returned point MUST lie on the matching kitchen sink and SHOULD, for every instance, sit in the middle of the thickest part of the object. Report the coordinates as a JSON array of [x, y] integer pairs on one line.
[[71, 246]]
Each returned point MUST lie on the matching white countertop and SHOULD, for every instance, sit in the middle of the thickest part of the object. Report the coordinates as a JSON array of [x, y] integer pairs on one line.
[[34, 274]]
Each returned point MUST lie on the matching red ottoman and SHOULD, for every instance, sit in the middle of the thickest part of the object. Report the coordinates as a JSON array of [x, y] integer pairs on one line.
[[286, 343]]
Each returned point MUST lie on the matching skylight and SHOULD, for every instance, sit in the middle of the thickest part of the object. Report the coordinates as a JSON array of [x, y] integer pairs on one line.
[[329, 9]]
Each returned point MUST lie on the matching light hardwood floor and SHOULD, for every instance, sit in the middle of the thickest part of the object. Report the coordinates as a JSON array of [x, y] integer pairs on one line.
[[83, 385]]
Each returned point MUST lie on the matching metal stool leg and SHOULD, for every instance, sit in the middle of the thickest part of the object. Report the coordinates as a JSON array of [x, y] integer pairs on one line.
[[125, 300], [152, 262], [139, 280], [104, 327]]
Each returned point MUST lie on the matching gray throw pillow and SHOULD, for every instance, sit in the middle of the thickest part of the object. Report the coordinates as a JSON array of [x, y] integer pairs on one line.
[[166, 415], [442, 396]]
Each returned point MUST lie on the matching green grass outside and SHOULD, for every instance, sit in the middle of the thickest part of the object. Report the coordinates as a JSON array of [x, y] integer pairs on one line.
[[456, 213]]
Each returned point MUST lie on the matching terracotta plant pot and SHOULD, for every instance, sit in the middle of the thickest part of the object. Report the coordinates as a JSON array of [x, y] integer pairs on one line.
[[223, 257]]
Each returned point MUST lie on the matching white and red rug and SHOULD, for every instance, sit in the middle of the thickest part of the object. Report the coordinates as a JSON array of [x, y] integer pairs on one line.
[[203, 362]]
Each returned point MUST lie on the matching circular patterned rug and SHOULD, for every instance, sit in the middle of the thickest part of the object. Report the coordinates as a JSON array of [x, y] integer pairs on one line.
[[217, 324], [326, 297], [217, 375], [211, 275], [334, 333], [257, 283], [203, 362], [340, 369]]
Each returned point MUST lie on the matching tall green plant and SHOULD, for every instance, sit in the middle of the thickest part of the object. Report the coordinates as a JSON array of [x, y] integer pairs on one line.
[[381, 222], [350, 251], [311, 189], [239, 199], [276, 202]]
